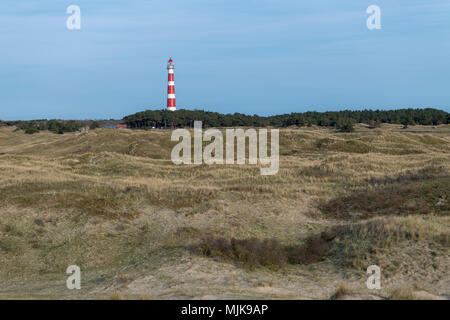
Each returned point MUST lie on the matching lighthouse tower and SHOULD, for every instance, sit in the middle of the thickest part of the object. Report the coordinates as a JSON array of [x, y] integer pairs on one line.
[[171, 105]]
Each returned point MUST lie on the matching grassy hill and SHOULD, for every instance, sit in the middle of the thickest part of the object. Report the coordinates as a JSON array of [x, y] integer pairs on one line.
[[112, 202]]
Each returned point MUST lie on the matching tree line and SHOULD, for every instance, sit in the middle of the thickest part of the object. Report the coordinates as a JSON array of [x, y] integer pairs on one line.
[[55, 126], [339, 119]]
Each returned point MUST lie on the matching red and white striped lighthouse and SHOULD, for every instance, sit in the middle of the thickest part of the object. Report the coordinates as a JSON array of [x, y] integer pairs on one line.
[[171, 105]]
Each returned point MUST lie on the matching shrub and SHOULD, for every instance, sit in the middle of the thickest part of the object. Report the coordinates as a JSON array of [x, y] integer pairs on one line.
[[250, 252], [374, 124], [314, 250], [341, 291], [345, 126], [31, 130], [270, 253], [94, 125]]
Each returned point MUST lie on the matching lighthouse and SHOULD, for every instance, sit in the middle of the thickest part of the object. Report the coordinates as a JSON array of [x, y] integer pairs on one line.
[[171, 105]]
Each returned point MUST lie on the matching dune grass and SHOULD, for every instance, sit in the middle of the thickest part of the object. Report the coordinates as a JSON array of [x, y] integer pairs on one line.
[[111, 199]]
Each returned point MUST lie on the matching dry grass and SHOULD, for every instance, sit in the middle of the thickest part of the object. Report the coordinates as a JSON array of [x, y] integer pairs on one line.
[[403, 294], [112, 200], [410, 195], [399, 244]]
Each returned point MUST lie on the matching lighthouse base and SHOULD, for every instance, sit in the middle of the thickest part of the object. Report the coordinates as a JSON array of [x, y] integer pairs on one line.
[[171, 108]]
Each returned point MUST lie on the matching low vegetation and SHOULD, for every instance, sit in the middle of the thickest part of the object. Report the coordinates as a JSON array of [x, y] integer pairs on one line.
[[253, 252], [391, 242], [424, 192], [55, 126], [342, 291]]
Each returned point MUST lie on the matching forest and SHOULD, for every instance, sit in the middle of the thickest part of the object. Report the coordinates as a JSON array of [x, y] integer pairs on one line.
[[56, 126], [339, 119]]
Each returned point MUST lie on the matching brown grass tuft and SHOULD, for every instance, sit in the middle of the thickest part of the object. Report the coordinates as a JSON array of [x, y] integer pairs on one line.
[[341, 291], [403, 294], [269, 253]]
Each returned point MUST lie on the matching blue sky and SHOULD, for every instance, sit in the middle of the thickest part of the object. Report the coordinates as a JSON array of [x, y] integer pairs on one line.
[[250, 56]]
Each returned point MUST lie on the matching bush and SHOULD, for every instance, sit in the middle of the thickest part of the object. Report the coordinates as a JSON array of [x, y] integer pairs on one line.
[[345, 126], [270, 253], [31, 130], [94, 125], [374, 124], [63, 126], [250, 252], [341, 291], [314, 250]]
